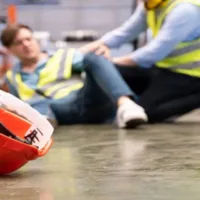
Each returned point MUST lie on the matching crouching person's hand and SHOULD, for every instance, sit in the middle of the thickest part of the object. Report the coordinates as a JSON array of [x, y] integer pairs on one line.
[[98, 47]]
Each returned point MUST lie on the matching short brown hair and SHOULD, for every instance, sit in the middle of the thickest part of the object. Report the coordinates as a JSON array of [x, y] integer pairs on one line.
[[9, 33]]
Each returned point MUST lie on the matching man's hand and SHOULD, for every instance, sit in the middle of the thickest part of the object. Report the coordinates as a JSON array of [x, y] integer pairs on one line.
[[91, 47], [6, 61], [5, 66], [4, 52], [98, 47], [124, 61]]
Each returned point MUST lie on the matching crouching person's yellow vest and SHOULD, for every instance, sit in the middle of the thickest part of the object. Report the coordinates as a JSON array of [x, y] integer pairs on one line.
[[55, 79], [185, 58]]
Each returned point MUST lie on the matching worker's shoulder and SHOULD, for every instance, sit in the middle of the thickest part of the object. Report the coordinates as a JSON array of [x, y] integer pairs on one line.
[[188, 7], [185, 13]]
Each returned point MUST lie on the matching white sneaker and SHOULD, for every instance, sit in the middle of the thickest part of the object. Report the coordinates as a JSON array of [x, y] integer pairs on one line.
[[130, 115]]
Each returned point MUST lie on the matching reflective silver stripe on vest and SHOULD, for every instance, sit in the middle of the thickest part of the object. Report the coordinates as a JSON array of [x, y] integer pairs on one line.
[[187, 49], [60, 76], [61, 70], [70, 82], [192, 65], [14, 80]]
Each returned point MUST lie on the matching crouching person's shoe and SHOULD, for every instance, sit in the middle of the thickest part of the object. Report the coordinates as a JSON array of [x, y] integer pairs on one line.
[[130, 115]]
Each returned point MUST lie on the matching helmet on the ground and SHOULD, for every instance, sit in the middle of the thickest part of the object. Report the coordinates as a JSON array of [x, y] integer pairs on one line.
[[19, 142]]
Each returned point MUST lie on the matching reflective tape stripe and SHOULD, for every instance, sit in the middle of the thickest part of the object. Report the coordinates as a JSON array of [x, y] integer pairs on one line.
[[64, 73], [61, 70], [192, 65], [46, 75], [65, 86], [54, 87], [184, 50], [68, 63], [191, 72], [188, 58], [65, 91]]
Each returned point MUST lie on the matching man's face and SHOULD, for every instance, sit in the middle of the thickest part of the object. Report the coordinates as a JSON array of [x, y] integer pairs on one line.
[[25, 47]]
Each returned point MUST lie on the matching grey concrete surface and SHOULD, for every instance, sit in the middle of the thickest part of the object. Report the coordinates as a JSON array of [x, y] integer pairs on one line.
[[158, 162]]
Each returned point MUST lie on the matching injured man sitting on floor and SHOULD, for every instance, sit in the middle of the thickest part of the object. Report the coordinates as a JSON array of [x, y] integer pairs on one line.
[[53, 85]]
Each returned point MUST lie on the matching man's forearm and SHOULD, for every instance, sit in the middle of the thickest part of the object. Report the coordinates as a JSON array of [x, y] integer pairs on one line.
[[125, 61], [128, 31]]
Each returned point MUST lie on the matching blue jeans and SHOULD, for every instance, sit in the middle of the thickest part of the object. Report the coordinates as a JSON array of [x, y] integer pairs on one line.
[[96, 101]]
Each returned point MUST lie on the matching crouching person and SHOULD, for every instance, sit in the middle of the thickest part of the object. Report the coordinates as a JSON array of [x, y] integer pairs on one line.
[[52, 84], [25, 134]]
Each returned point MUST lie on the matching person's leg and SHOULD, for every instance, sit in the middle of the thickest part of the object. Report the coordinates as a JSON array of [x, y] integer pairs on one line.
[[94, 105], [66, 110], [174, 108], [104, 90], [103, 72], [138, 79], [169, 95], [88, 105], [107, 77]]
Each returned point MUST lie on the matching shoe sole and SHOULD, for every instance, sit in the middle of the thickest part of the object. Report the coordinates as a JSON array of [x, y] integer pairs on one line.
[[134, 123]]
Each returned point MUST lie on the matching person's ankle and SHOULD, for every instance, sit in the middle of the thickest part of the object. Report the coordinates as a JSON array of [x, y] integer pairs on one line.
[[122, 100]]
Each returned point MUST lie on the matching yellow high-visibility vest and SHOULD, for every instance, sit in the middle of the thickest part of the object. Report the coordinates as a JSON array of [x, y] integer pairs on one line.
[[55, 79], [185, 58]]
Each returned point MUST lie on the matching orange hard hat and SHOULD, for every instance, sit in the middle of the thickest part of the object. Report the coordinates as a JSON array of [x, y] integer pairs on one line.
[[17, 137]]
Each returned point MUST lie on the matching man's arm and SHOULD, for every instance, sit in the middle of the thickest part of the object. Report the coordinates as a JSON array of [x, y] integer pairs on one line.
[[178, 26], [128, 31]]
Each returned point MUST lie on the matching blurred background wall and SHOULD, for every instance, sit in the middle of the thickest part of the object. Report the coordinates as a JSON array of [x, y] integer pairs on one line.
[[98, 15]]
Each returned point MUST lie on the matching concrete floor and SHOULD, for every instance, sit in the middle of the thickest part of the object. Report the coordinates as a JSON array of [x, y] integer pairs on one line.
[[159, 162]]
